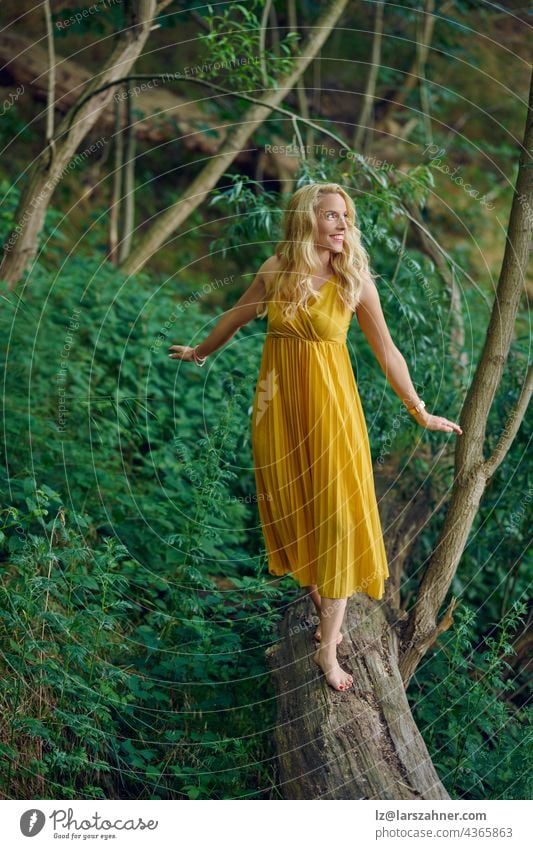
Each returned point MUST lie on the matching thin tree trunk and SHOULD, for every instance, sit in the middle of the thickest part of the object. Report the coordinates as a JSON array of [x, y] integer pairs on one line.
[[129, 184], [412, 76], [363, 129], [116, 191], [472, 469], [21, 244], [50, 99], [274, 35], [423, 50], [262, 41], [172, 218], [301, 92]]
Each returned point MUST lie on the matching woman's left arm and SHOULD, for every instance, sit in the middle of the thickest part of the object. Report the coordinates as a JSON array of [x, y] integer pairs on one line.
[[372, 322]]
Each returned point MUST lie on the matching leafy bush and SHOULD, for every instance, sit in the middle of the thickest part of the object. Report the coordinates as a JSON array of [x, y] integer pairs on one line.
[[117, 680], [135, 624], [479, 740]]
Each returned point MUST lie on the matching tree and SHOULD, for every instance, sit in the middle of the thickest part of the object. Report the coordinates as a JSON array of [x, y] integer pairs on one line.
[[472, 469], [21, 244]]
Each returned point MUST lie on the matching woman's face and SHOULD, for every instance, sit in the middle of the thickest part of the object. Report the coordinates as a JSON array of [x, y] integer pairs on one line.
[[331, 217]]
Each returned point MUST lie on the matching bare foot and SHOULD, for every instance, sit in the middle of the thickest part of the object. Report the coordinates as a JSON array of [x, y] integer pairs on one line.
[[335, 676], [318, 636]]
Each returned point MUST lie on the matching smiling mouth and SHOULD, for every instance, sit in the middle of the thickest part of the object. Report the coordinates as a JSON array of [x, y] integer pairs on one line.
[[338, 238]]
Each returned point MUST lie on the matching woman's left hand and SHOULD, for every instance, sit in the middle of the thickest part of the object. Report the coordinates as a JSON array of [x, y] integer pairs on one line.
[[437, 423]]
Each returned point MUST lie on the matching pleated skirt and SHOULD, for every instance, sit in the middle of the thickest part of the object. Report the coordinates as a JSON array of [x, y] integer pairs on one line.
[[313, 472]]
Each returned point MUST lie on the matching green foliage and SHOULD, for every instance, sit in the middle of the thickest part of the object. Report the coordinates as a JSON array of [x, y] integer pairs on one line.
[[12, 124], [478, 739], [251, 216], [111, 671], [154, 590], [233, 46]]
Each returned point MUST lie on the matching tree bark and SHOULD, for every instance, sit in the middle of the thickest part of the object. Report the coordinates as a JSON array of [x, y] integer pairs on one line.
[[117, 181], [423, 50], [301, 93], [361, 744], [21, 244], [51, 73], [169, 221]]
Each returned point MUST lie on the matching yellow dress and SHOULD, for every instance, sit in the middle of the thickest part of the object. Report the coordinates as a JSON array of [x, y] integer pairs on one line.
[[313, 471]]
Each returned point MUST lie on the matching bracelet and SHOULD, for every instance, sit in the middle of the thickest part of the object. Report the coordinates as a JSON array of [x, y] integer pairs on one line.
[[200, 361], [417, 409]]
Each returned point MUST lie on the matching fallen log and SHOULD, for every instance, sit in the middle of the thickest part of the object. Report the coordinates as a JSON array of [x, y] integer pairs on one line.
[[24, 62], [359, 744]]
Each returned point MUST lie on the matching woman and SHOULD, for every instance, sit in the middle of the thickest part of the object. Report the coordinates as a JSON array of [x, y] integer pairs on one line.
[[313, 471]]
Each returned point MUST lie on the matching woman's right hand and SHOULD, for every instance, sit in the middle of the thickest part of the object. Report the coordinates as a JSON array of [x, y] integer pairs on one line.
[[181, 352]]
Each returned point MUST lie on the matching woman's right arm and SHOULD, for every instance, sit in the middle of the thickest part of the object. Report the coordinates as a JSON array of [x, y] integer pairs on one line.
[[242, 312]]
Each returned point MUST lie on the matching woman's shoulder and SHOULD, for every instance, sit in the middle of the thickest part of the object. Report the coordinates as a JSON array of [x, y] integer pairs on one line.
[[269, 269], [271, 265]]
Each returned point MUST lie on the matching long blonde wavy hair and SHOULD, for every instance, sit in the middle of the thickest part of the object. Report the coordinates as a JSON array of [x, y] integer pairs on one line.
[[291, 286]]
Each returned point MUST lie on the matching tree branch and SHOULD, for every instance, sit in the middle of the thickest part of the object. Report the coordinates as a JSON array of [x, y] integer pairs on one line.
[[422, 54], [511, 427], [161, 6], [412, 76]]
